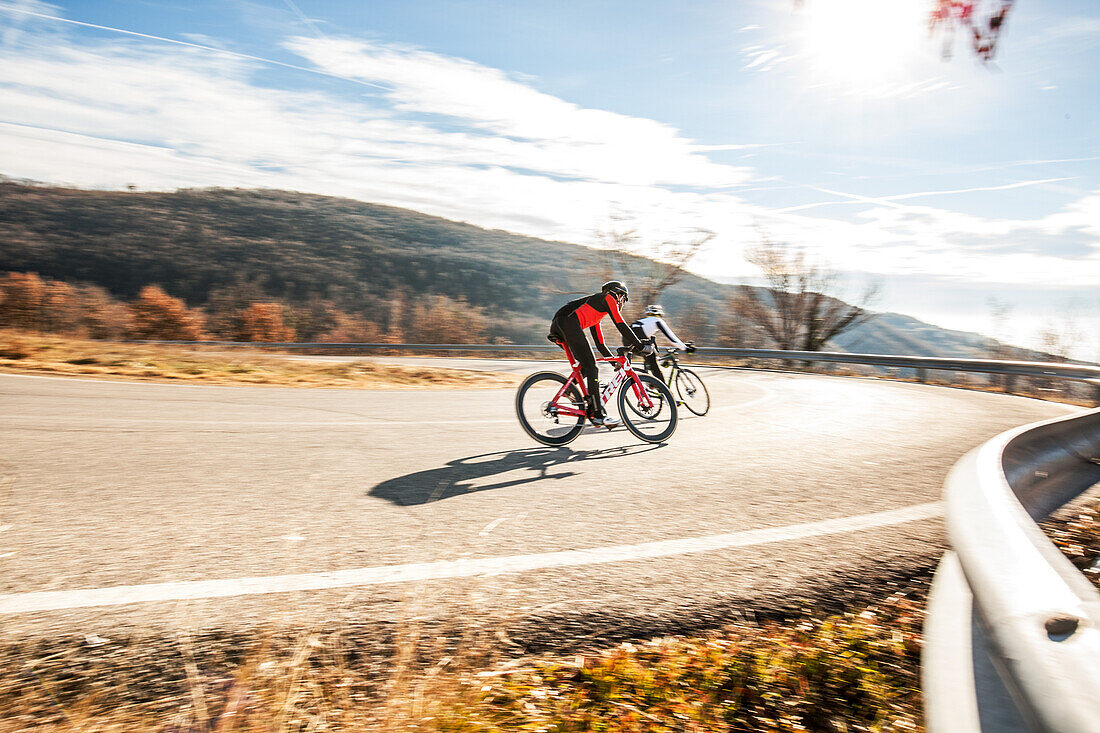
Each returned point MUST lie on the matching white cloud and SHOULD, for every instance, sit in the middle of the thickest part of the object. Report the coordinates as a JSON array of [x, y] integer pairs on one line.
[[546, 133], [516, 156], [453, 138]]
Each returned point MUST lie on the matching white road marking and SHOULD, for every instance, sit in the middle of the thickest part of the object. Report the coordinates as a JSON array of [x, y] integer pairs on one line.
[[767, 393], [491, 526], [17, 603]]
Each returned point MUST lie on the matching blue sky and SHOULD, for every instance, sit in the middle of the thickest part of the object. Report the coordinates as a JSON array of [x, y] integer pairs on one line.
[[835, 125]]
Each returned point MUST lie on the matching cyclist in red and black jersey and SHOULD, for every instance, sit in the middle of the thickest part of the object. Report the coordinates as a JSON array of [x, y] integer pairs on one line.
[[575, 316]]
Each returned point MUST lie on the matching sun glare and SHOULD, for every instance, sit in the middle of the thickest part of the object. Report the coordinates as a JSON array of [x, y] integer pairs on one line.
[[864, 45]]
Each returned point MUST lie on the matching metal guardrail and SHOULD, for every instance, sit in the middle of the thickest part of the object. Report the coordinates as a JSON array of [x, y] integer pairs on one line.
[[364, 346], [1074, 372], [1012, 635]]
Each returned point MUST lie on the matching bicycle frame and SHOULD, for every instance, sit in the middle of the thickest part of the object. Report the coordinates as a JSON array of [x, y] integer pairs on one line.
[[625, 372], [666, 360]]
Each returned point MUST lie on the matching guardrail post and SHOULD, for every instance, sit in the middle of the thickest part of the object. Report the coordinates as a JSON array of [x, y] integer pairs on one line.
[[922, 375]]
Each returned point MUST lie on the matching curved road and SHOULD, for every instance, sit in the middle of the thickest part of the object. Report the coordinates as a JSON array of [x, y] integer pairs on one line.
[[156, 506]]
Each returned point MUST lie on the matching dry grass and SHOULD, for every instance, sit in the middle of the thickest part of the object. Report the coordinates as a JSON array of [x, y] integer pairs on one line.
[[850, 672], [61, 355], [1076, 530]]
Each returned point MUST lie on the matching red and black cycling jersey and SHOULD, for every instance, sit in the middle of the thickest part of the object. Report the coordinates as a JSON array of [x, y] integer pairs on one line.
[[590, 310]]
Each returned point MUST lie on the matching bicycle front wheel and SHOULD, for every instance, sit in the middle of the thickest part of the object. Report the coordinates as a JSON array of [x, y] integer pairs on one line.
[[655, 422], [693, 393], [539, 413]]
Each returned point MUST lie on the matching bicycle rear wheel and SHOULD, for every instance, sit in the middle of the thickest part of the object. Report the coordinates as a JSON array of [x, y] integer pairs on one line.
[[539, 418], [654, 424], [693, 393]]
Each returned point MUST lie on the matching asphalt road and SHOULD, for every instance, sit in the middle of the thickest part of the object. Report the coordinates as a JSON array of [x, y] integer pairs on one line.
[[156, 506]]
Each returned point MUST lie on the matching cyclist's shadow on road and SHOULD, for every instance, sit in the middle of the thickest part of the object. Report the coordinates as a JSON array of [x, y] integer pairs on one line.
[[461, 475]]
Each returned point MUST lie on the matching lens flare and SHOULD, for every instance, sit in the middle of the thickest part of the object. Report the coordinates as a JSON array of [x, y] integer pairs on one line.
[[859, 45]]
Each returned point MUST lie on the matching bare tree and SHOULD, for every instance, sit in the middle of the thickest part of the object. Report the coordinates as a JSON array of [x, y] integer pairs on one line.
[[1001, 313], [796, 310], [1057, 344], [694, 323], [648, 267], [437, 319], [736, 328]]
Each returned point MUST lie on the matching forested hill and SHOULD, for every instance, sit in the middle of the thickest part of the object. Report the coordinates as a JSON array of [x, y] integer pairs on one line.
[[300, 248]]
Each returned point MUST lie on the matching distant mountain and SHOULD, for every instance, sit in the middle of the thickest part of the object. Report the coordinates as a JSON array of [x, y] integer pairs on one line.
[[364, 257], [894, 333]]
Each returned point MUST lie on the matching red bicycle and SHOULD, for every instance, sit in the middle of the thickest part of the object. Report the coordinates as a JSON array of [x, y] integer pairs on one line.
[[551, 407]]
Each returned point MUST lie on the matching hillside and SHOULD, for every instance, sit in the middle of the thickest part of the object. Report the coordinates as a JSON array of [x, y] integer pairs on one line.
[[894, 333], [300, 247], [297, 247]]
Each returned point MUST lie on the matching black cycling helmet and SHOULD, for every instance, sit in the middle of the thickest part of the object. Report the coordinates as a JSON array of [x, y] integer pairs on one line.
[[616, 288]]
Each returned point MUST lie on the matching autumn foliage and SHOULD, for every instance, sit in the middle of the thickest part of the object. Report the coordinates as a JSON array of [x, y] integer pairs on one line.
[[438, 319], [157, 315], [264, 322], [241, 312], [21, 300], [32, 303]]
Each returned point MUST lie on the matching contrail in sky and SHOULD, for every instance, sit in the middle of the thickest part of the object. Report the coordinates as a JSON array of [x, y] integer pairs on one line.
[[213, 49], [889, 200], [302, 17]]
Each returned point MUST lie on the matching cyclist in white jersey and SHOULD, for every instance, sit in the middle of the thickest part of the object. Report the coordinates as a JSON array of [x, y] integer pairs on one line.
[[646, 329]]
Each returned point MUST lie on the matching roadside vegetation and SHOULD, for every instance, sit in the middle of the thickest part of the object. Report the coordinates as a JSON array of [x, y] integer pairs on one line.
[[855, 671], [243, 312], [62, 355], [1076, 530], [32, 303]]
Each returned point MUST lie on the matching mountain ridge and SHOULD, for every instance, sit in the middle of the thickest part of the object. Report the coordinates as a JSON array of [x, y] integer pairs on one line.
[[364, 256]]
